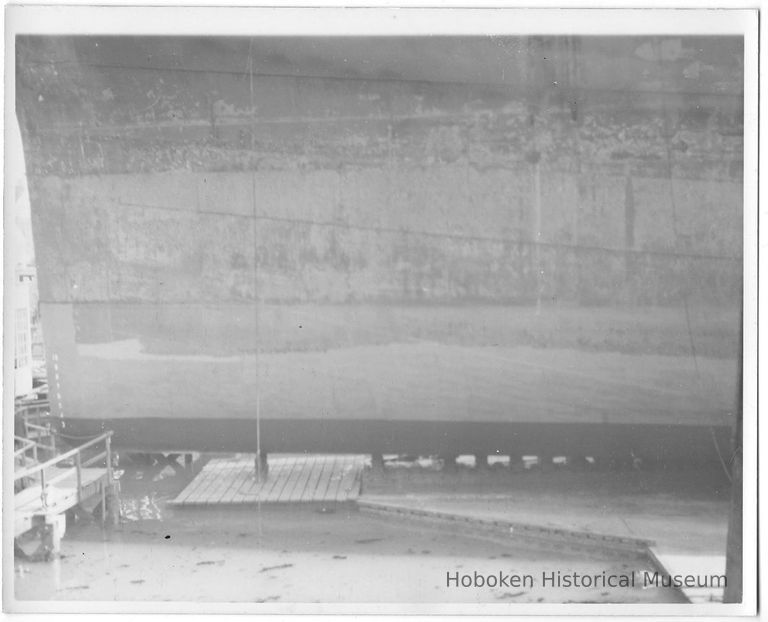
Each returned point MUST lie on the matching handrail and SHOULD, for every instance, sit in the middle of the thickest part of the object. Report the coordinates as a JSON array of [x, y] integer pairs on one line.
[[27, 445], [77, 469], [34, 415], [35, 408], [22, 451], [38, 417], [37, 427], [53, 461], [37, 402]]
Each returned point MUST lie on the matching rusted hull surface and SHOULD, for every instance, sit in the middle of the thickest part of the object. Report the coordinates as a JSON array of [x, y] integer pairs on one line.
[[218, 232]]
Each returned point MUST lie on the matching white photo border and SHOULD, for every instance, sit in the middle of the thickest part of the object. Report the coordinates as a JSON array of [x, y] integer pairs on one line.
[[391, 21]]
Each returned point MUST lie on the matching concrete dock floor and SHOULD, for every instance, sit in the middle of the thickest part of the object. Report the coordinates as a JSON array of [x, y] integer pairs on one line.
[[682, 515], [339, 555]]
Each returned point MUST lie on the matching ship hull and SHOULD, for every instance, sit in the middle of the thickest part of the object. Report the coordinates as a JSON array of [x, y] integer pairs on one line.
[[662, 444], [363, 245], [390, 379]]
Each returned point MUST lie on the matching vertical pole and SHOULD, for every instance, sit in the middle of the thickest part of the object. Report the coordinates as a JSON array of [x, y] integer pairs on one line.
[[377, 462], [103, 504], [537, 233], [79, 474], [43, 492], [108, 444], [260, 460], [733, 556], [113, 498], [515, 461], [109, 491], [449, 463], [546, 463], [105, 483]]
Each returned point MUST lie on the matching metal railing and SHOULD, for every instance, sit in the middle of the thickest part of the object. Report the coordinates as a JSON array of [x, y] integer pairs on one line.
[[38, 472], [37, 423], [20, 453], [34, 432], [32, 408]]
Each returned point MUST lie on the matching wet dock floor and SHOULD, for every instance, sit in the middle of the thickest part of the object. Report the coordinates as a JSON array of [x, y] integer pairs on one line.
[[310, 554], [290, 555]]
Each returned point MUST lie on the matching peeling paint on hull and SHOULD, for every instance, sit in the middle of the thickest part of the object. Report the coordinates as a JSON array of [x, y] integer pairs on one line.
[[383, 251]]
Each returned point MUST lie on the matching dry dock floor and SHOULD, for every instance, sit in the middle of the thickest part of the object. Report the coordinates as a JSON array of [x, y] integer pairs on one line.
[[684, 512], [335, 554]]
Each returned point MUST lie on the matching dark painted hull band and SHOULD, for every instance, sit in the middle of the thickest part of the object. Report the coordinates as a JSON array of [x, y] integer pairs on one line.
[[665, 443]]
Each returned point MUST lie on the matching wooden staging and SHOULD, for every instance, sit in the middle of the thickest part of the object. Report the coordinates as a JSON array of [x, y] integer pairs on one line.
[[62, 496], [292, 479], [44, 491]]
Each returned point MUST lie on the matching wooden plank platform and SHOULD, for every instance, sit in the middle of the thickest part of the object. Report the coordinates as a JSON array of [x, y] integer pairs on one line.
[[304, 478], [62, 496]]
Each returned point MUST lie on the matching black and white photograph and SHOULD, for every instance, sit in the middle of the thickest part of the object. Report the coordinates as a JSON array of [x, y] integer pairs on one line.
[[380, 311]]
